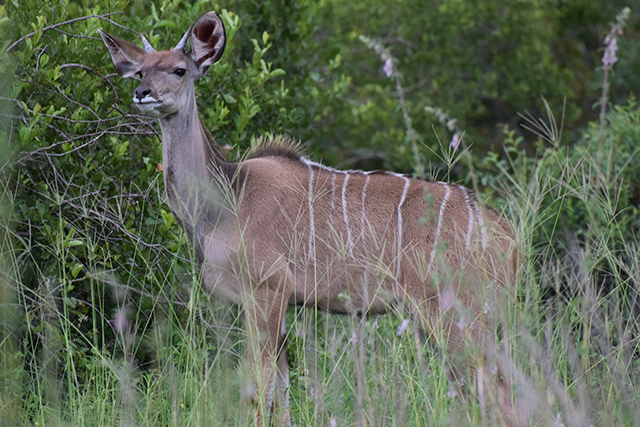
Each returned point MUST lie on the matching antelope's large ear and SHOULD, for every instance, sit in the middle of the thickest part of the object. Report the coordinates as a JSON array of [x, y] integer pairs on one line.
[[208, 39], [126, 56]]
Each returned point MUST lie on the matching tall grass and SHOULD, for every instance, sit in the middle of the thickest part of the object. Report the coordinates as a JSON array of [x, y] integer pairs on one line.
[[170, 355], [570, 342]]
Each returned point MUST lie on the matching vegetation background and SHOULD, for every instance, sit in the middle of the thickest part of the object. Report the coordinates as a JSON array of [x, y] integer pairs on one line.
[[532, 103]]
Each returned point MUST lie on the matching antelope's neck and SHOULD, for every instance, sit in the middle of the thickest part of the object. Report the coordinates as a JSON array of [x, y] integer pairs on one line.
[[185, 150], [188, 161]]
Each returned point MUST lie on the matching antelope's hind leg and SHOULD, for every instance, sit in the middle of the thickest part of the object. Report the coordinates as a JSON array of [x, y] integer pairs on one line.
[[456, 323], [475, 371], [265, 312]]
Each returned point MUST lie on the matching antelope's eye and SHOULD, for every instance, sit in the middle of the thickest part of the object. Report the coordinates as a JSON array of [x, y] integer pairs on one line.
[[139, 74], [180, 72]]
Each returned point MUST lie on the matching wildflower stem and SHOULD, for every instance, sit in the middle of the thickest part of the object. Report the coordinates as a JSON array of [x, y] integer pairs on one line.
[[391, 70], [604, 99], [609, 58]]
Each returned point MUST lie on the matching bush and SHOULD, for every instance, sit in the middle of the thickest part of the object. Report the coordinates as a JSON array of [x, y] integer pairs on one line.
[[90, 220]]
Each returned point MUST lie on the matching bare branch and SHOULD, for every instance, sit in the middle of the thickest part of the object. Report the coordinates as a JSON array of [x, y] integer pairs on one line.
[[71, 21]]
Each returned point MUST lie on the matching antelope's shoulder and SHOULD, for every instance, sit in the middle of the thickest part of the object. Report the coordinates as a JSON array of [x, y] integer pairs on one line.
[[264, 173], [269, 162]]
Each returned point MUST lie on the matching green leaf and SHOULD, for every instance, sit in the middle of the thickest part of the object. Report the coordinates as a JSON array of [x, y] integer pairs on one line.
[[71, 302], [76, 269], [228, 98], [74, 242], [121, 149]]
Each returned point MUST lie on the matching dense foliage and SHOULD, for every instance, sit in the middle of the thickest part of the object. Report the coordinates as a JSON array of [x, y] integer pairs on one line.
[[373, 84]]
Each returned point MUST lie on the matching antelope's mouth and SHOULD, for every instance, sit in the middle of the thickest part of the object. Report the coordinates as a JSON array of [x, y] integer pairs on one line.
[[147, 103], [146, 100]]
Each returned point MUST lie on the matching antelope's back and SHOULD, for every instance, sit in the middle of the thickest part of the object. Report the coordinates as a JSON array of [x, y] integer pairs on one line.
[[372, 235]]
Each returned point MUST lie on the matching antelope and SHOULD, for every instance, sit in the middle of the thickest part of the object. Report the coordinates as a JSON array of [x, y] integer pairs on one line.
[[278, 229]]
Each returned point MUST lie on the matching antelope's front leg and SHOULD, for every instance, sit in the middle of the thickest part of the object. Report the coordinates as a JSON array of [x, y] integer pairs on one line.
[[280, 408], [265, 324]]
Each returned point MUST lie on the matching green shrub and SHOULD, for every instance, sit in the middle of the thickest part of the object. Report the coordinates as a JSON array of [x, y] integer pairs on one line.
[[90, 220]]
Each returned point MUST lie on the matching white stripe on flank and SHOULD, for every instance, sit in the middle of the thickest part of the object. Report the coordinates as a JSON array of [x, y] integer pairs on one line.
[[483, 232], [347, 174], [311, 225], [443, 205], [402, 198], [399, 175], [363, 218], [467, 201], [333, 197], [344, 212], [320, 166]]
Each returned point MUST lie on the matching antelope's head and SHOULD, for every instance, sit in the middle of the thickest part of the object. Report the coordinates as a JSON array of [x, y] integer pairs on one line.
[[167, 76]]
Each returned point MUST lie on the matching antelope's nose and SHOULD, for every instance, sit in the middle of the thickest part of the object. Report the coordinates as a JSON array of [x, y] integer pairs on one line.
[[141, 93]]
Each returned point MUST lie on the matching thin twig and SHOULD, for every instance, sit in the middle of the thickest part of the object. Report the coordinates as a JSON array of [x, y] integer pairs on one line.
[[71, 21]]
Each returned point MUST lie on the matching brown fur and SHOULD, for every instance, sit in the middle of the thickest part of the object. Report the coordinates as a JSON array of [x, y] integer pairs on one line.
[[277, 229]]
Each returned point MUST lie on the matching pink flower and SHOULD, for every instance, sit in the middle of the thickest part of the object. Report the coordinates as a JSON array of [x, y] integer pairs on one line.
[[388, 67], [402, 327], [609, 58], [455, 141]]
